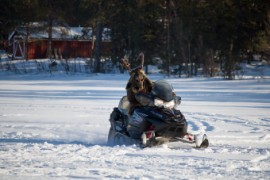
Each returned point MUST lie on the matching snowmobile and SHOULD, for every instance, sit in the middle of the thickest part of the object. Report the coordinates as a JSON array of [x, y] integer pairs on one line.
[[154, 123]]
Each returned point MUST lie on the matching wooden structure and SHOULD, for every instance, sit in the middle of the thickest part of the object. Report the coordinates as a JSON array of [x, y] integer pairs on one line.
[[68, 45]]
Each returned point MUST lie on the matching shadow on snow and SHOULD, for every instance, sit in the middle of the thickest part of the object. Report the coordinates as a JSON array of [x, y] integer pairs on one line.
[[54, 142]]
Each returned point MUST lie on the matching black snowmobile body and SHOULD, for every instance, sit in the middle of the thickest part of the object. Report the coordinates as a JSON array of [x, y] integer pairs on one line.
[[150, 125], [167, 123]]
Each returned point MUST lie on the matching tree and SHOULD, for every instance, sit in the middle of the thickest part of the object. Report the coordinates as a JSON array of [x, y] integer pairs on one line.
[[28, 11], [93, 14], [146, 34], [8, 17], [53, 12], [195, 33], [135, 27], [239, 22]]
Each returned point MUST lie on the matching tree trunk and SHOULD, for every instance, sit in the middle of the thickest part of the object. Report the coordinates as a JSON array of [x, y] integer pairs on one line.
[[190, 71], [180, 70], [168, 48], [99, 31], [230, 62], [27, 40], [49, 48]]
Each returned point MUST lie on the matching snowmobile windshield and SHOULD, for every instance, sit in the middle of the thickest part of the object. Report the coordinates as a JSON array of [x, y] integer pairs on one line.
[[163, 90]]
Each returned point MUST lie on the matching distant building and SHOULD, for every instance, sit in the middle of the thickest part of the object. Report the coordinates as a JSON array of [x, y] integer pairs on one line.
[[67, 42]]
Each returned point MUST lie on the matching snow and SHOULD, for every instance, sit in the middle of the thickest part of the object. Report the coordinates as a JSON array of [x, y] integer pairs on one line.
[[55, 126]]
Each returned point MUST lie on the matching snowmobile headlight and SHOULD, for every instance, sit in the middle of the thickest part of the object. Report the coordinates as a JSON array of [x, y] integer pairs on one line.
[[163, 104], [170, 104], [158, 102]]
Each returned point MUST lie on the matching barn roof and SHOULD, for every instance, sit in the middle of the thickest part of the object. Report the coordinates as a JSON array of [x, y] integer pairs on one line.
[[38, 31]]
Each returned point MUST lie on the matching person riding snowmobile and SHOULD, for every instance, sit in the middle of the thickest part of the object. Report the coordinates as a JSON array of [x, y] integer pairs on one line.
[[161, 96]]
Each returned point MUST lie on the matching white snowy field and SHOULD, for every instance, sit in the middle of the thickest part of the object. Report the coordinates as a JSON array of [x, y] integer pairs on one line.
[[55, 127]]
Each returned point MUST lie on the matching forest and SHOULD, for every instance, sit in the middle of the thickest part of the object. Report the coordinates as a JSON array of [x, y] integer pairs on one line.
[[212, 35]]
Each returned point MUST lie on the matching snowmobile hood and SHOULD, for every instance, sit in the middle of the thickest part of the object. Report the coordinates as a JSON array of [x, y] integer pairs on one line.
[[163, 90]]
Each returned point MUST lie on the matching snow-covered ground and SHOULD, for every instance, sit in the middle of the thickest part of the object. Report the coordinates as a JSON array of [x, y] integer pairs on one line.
[[55, 127]]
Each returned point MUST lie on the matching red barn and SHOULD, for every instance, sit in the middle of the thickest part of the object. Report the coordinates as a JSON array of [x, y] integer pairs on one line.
[[67, 42]]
